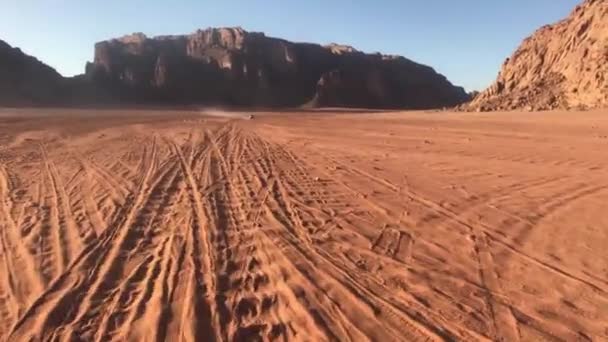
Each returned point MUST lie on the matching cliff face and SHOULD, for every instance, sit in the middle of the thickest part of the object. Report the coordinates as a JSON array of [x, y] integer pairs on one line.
[[24, 80], [564, 65], [385, 82], [235, 67]]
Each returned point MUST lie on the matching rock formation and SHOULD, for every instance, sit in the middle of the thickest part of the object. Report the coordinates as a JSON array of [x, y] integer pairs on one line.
[[24, 80], [227, 66], [564, 65], [231, 66]]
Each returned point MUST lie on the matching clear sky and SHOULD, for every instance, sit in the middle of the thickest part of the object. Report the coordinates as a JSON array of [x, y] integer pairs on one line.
[[466, 40]]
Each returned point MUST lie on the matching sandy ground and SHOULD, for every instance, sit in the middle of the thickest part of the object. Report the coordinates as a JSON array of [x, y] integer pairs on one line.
[[135, 225]]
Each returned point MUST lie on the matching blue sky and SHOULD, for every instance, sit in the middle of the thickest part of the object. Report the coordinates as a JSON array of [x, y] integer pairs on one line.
[[466, 40]]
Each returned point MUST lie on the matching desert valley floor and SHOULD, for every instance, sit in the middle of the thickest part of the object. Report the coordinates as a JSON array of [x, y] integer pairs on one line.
[[151, 225]]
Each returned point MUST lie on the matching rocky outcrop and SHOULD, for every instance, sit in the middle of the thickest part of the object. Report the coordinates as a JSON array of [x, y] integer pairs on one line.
[[24, 80], [234, 67], [385, 82], [564, 65]]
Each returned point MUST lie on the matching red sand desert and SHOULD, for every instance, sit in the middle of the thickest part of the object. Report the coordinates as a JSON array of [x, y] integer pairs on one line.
[[151, 225]]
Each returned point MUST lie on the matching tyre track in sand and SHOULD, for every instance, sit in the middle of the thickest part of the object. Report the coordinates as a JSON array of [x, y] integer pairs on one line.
[[21, 274], [85, 277], [208, 257], [480, 233], [137, 240], [69, 240], [214, 232], [286, 213], [261, 305], [504, 315]]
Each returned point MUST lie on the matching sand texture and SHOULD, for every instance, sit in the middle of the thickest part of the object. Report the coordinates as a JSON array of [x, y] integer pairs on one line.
[[171, 226]]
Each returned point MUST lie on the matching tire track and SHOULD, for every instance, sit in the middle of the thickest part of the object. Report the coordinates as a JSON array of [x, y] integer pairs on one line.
[[209, 261], [290, 221], [546, 208], [22, 275], [217, 233], [69, 240], [383, 213], [259, 284], [138, 237], [70, 290], [117, 188]]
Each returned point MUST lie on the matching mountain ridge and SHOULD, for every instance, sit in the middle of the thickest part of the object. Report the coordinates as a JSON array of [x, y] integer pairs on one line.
[[560, 66], [236, 67]]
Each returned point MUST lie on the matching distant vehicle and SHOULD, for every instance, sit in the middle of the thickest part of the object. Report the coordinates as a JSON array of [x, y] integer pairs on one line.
[[250, 117]]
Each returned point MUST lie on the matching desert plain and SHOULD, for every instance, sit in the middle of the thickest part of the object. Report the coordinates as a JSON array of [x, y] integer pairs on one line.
[[304, 226]]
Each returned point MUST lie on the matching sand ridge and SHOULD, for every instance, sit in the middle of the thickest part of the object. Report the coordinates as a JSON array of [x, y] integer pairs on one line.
[[392, 226]]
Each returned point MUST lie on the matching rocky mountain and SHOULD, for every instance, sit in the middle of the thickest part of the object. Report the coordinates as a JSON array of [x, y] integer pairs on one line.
[[24, 80], [564, 65], [231, 66]]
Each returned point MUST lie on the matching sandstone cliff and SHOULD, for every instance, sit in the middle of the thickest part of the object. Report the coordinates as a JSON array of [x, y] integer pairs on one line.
[[564, 65], [234, 67]]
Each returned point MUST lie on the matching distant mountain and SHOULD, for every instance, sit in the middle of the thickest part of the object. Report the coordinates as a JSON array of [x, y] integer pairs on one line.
[[227, 66], [234, 67], [564, 65], [24, 80]]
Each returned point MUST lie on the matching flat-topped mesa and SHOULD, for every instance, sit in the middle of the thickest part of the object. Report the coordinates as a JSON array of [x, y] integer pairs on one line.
[[564, 65], [232, 66]]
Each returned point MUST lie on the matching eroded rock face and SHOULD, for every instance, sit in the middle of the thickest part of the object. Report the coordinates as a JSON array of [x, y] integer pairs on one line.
[[234, 67], [564, 65], [24, 80], [385, 82]]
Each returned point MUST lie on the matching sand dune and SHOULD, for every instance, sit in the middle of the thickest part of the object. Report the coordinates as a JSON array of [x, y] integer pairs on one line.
[[306, 227]]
